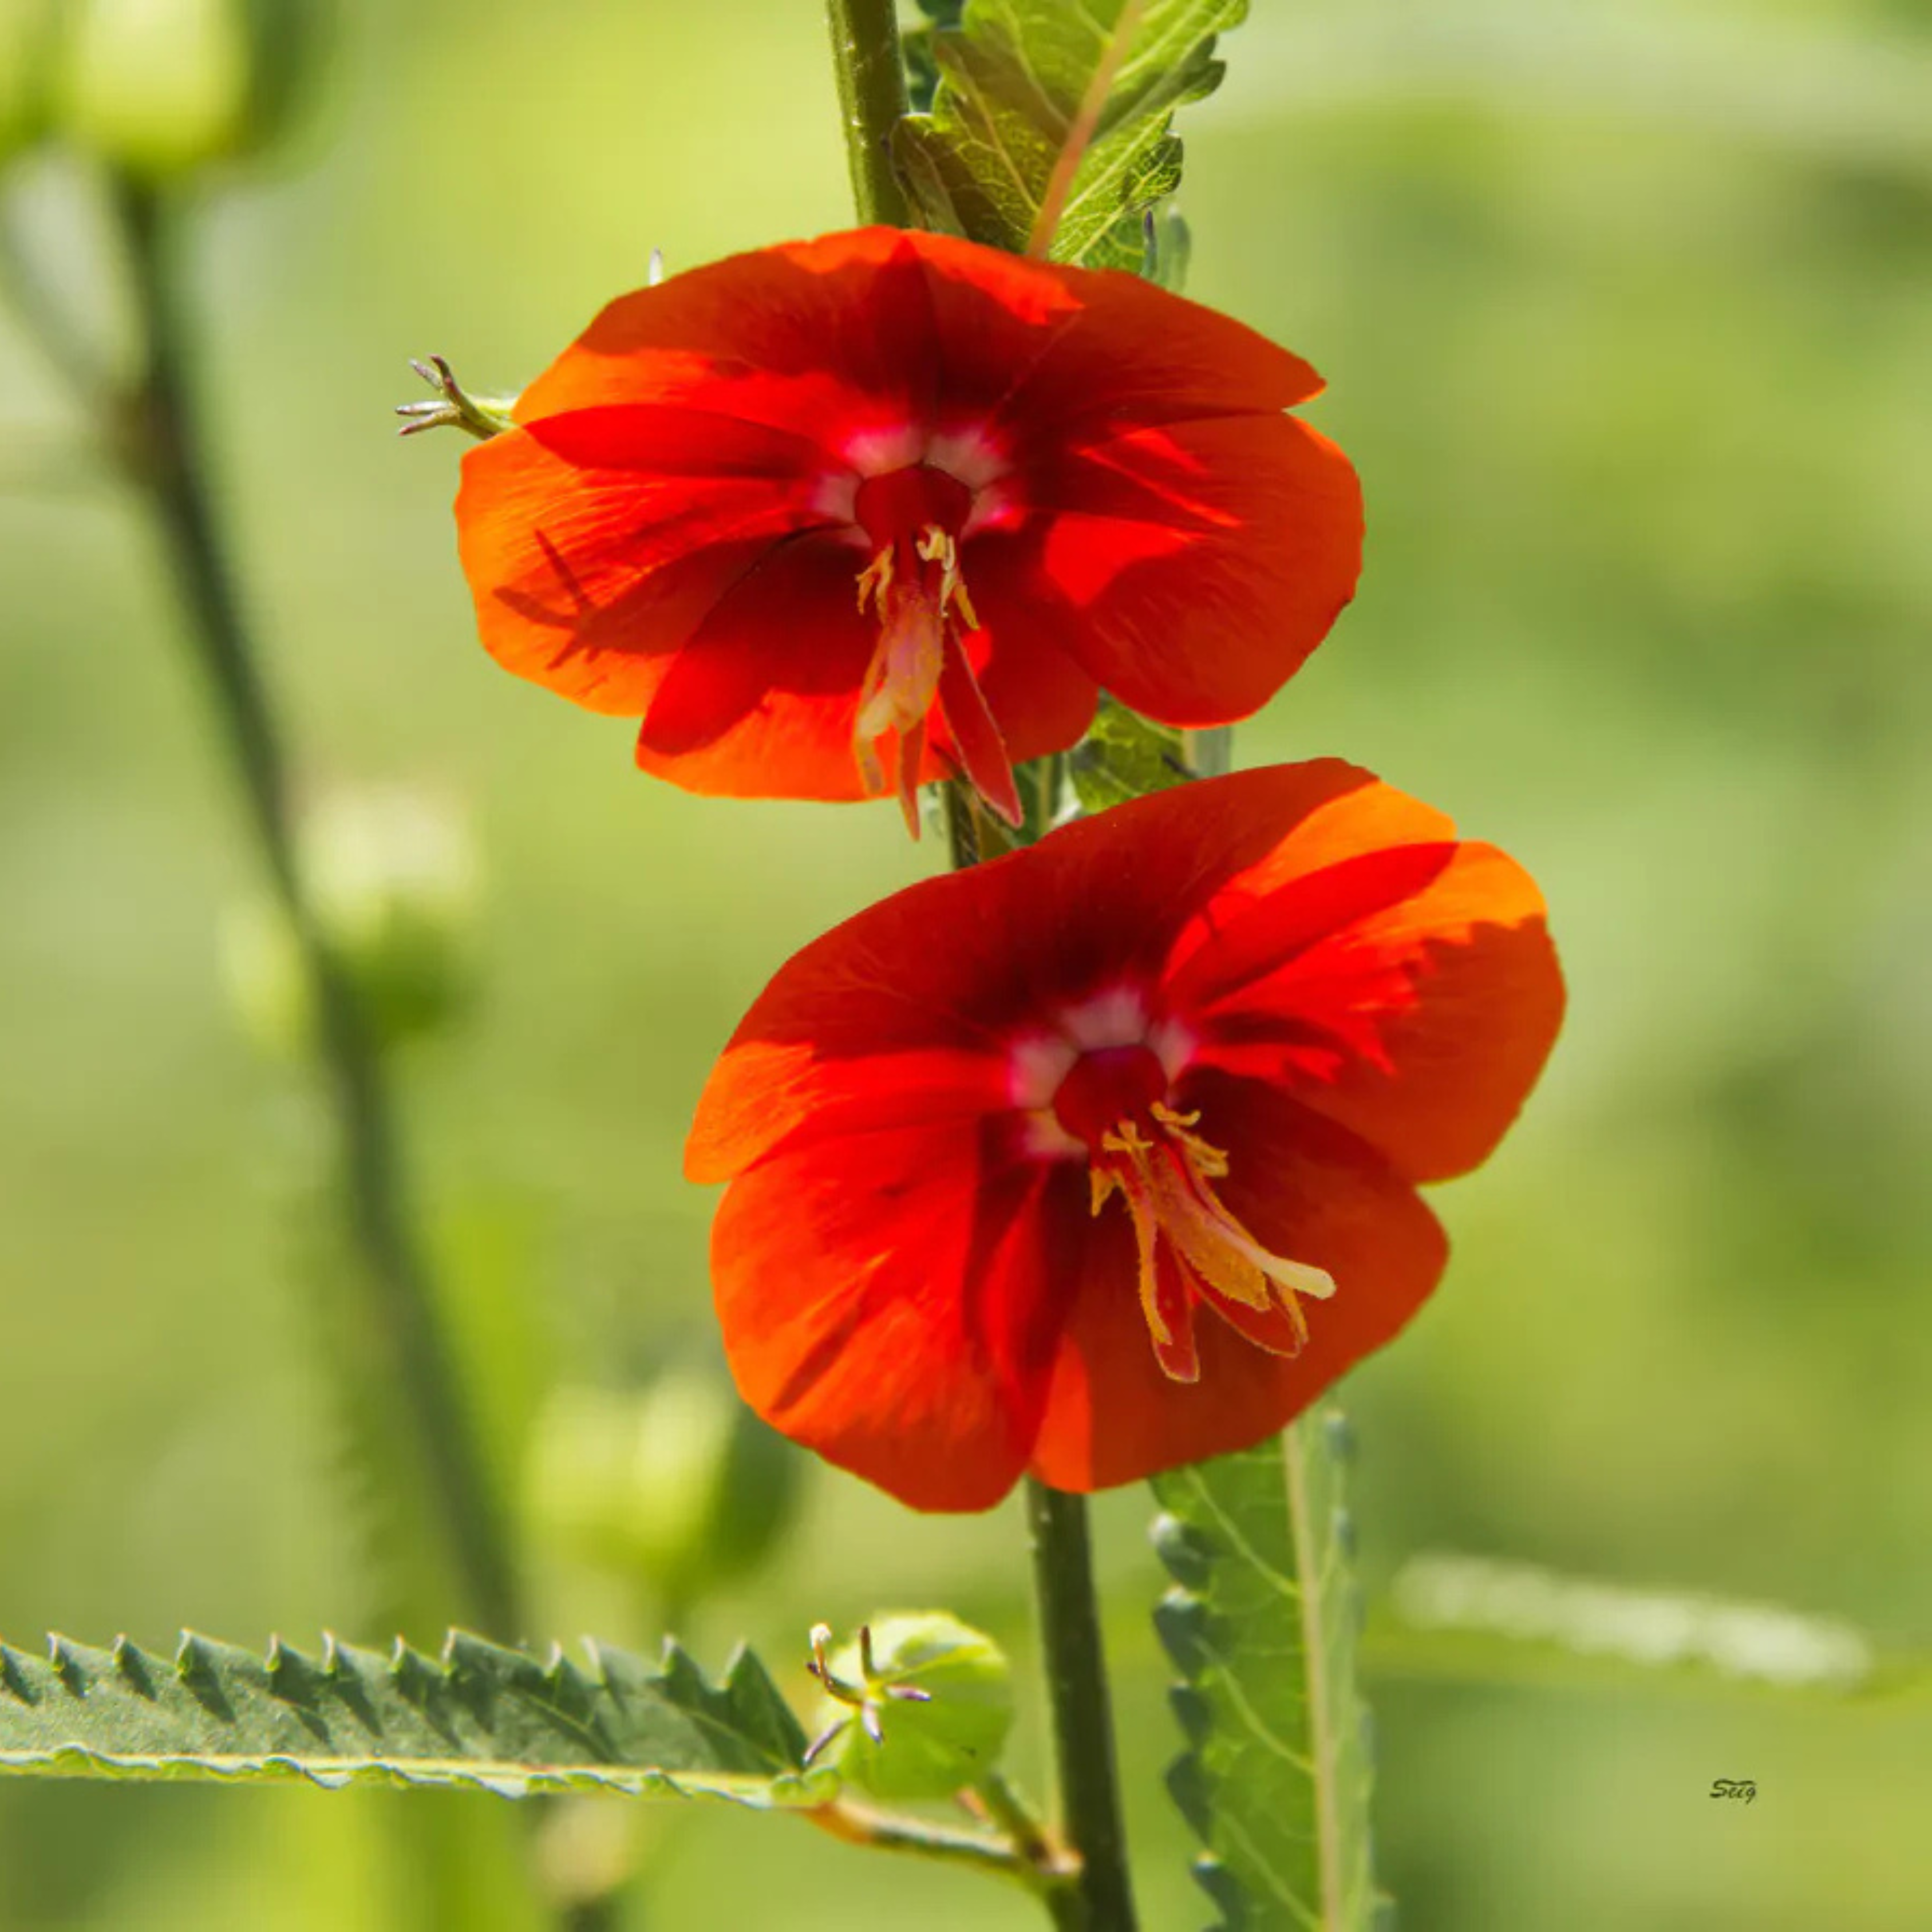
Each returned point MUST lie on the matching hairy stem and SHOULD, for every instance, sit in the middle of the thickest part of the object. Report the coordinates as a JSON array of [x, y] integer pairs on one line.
[[870, 73], [1083, 1723], [397, 1342]]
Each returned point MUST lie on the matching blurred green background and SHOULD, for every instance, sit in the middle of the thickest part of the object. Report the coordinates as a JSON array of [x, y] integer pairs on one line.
[[1626, 315]]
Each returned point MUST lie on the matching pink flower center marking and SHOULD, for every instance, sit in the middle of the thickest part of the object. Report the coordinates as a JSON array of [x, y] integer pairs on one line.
[[912, 518], [1190, 1248]]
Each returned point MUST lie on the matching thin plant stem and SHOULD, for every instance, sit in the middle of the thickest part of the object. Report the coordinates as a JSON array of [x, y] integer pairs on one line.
[[1060, 1893], [895, 1831], [1083, 1723], [870, 73], [398, 1342]]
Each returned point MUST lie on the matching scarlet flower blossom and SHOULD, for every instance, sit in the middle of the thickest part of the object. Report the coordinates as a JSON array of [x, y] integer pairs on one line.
[[1101, 1157], [846, 516]]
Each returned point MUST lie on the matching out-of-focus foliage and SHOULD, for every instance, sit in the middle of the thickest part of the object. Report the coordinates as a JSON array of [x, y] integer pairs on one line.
[[1481, 1621], [26, 40], [1630, 352], [392, 878], [162, 88], [677, 1484]]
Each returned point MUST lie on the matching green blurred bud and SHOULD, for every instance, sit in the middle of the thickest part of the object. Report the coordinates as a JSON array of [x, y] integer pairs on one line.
[[162, 88], [679, 1482], [918, 1706], [391, 879], [26, 42]]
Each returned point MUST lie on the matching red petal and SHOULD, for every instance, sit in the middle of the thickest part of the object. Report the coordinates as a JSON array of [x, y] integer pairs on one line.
[[1312, 816], [811, 336], [596, 544], [889, 1300], [1417, 1015], [852, 334], [1196, 566], [981, 751], [1043, 700], [957, 966], [1135, 354], [1305, 1189], [810, 332], [762, 701]]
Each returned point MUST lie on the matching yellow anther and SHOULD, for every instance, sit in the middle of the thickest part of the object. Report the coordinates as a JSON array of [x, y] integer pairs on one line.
[[1166, 1185], [875, 580]]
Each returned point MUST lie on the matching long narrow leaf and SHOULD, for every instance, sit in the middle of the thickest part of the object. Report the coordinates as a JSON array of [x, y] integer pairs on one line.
[[1261, 1625], [1473, 1619], [479, 1717]]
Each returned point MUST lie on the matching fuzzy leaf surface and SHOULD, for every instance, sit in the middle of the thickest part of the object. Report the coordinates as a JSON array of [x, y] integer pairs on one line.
[[1261, 1623], [1012, 77], [479, 1717]]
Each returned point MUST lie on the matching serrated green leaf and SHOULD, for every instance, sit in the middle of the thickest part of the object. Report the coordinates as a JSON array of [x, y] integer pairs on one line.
[[1122, 756], [479, 1717], [1012, 76], [1261, 1623], [1475, 1620]]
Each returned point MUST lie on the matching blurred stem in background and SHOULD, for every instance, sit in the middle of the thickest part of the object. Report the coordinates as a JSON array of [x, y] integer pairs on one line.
[[384, 1331]]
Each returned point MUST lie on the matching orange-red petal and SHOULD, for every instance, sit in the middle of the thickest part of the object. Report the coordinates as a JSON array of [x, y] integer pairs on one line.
[[953, 966], [890, 1300], [1195, 565], [596, 544], [1412, 994]]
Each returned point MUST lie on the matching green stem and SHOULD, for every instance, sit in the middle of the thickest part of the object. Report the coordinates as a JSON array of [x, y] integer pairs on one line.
[[894, 1832], [400, 1345], [1059, 1885], [1083, 1725], [870, 72]]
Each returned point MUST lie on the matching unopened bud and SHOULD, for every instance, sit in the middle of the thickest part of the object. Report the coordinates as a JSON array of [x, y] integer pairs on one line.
[[390, 879], [162, 88], [679, 1482], [918, 1705]]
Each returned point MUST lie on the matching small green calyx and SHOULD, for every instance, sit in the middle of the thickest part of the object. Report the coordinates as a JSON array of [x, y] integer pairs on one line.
[[454, 408], [919, 1705]]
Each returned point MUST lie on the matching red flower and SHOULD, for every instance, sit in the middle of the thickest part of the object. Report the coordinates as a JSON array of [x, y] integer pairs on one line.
[[1101, 1157], [873, 510]]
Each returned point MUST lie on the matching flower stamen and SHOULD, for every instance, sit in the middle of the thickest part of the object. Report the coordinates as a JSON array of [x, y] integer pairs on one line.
[[918, 663], [1191, 1248]]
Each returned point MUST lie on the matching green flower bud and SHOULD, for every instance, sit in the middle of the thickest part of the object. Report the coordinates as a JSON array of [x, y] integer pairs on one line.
[[679, 1482], [918, 1706], [26, 41], [162, 88], [391, 881]]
